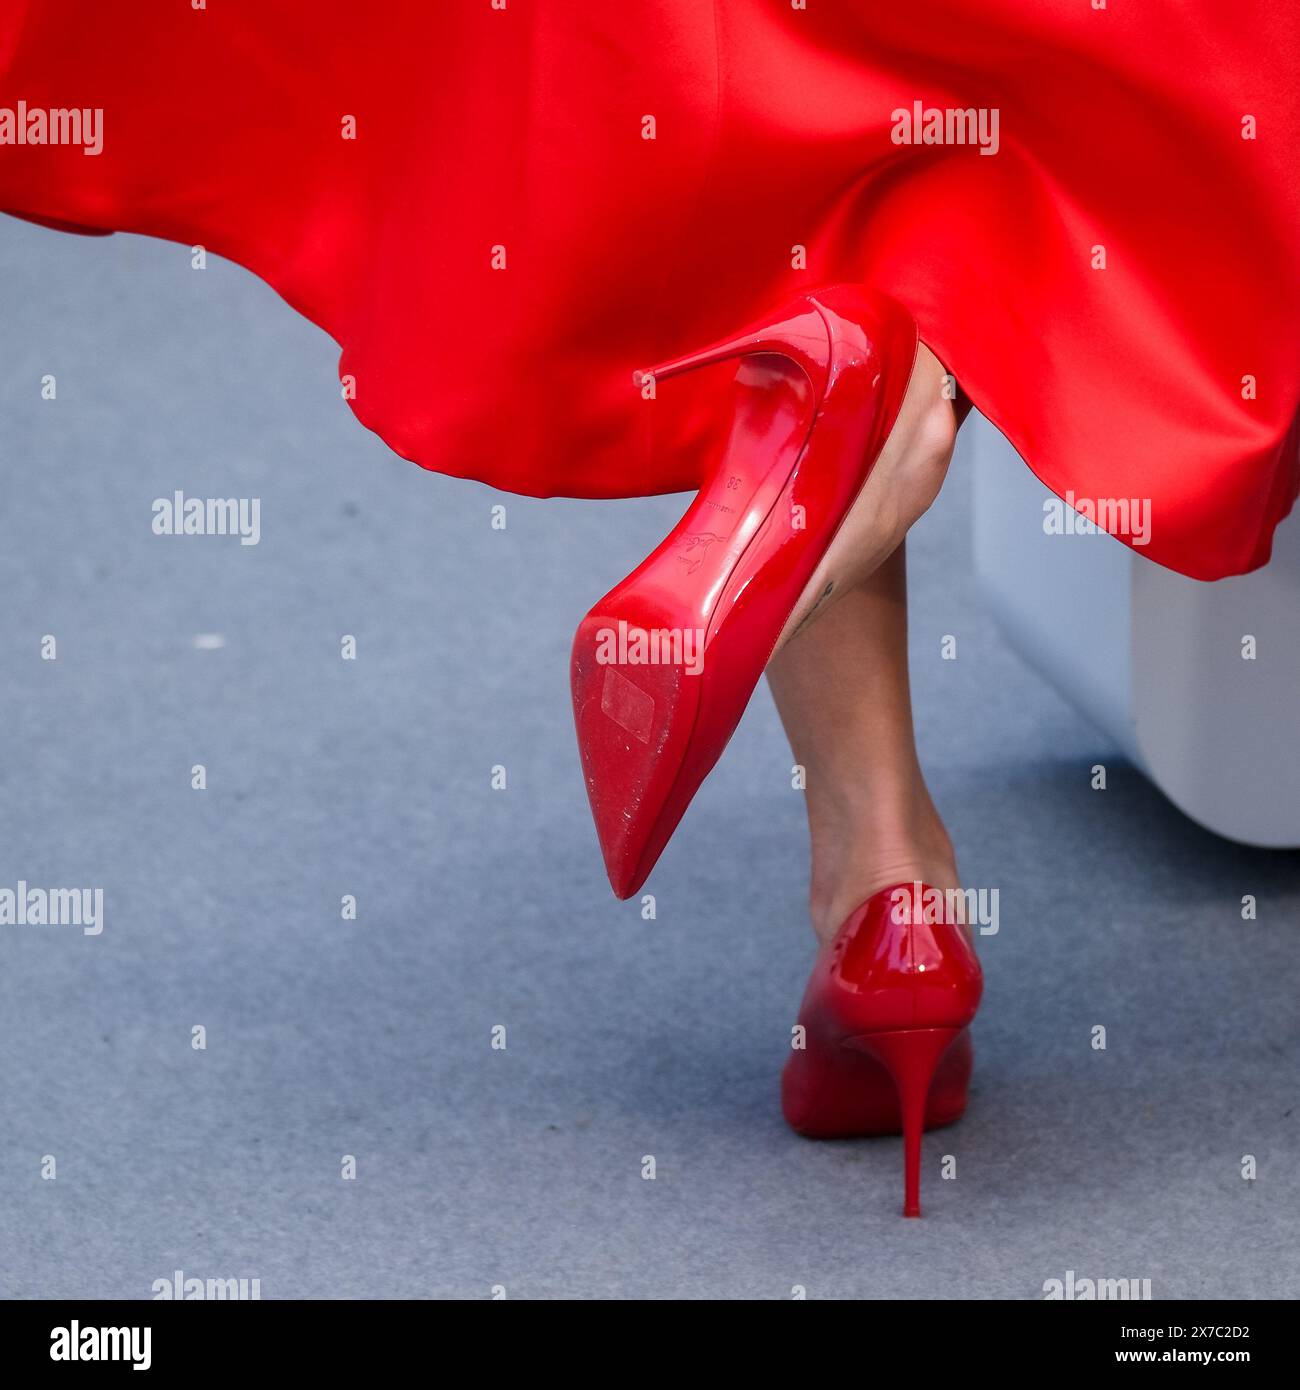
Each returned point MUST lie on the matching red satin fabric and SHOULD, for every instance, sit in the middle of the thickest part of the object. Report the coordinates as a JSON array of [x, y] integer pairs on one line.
[[523, 127]]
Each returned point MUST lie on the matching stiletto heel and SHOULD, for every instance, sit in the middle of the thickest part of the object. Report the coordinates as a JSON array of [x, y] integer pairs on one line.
[[664, 665], [800, 333], [884, 1028], [911, 1058]]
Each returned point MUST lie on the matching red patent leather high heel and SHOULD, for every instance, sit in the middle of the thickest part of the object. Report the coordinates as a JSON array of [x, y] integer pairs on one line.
[[886, 1042], [664, 665]]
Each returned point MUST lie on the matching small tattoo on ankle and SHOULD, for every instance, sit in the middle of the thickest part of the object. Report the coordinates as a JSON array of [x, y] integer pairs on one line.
[[817, 603]]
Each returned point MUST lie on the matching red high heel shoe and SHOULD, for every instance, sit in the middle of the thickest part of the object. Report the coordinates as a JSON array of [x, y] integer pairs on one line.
[[885, 1028], [664, 665]]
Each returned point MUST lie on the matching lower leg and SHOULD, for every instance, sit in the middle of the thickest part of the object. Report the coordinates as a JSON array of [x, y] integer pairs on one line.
[[843, 694]]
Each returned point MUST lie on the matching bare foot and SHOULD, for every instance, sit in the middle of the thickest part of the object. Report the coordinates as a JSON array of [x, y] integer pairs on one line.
[[902, 485]]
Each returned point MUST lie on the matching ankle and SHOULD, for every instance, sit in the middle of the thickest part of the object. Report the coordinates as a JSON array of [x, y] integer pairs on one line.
[[848, 869]]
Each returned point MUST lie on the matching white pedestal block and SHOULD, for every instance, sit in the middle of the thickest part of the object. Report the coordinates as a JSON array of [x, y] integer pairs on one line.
[[1152, 658]]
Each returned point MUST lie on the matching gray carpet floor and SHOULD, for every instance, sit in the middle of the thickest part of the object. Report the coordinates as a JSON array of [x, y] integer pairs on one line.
[[522, 1168]]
